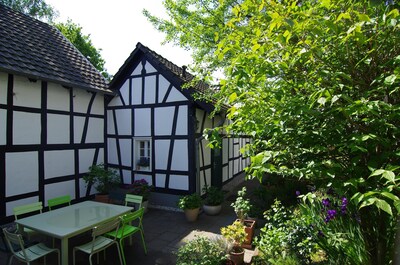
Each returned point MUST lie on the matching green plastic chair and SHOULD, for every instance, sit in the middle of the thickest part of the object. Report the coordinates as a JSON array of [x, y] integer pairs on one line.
[[134, 199], [100, 242], [28, 209], [62, 200], [127, 230], [29, 254]]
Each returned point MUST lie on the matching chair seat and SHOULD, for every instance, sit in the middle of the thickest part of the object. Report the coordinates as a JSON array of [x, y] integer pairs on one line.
[[125, 231], [93, 246], [34, 252]]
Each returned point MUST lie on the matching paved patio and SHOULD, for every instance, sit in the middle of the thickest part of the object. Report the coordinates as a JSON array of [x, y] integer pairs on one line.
[[165, 232]]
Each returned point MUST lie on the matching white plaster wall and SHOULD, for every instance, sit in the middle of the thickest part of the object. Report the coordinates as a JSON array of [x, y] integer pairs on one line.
[[161, 149], [182, 123], [124, 123], [95, 132], [3, 127], [126, 152], [26, 93], [225, 175], [85, 159], [124, 90], [81, 100], [207, 123], [149, 68], [10, 205], [79, 123], [98, 105], [57, 97], [127, 176], [199, 118], [137, 70], [150, 90], [59, 163], [110, 122], [180, 155], [163, 85], [112, 151], [179, 182], [163, 119], [57, 129], [116, 101], [59, 189], [3, 88], [26, 128], [225, 154], [176, 95], [82, 188], [136, 91], [148, 178], [160, 180], [22, 173], [207, 153], [100, 158], [142, 122]]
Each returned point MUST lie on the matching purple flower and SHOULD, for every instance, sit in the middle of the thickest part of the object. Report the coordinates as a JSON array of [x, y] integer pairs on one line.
[[298, 193], [325, 202], [330, 215], [344, 201]]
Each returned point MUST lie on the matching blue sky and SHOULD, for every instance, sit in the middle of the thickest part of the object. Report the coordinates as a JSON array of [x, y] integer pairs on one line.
[[116, 26]]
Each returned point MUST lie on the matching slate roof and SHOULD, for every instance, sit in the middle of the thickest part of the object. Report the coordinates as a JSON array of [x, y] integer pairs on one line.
[[38, 50], [177, 75]]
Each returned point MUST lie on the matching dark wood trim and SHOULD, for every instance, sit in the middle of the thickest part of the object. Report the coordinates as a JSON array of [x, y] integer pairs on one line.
[[86, 125], [10, 113], [164, 101]]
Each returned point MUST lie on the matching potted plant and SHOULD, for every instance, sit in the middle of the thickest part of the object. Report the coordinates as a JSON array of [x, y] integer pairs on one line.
[[142, 188], [103, 179], [242, 207], [191, 205], [201, 250], [213, 200], [236, 234]]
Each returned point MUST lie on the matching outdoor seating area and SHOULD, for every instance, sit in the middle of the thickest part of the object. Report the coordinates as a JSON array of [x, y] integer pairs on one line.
[[160, 234]]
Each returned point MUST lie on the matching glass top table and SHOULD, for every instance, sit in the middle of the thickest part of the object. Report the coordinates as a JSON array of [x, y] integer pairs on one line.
[[69, 221]]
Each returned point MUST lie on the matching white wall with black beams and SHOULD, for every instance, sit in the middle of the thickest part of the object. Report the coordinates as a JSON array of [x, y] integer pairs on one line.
[[49, 136], [150, 108]]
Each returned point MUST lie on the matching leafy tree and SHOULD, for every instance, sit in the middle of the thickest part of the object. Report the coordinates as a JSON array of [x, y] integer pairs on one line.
[[73, 32], [316, 83], [34, 8]]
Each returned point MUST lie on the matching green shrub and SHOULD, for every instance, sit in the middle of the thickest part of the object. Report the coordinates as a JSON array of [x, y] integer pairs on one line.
[[286, 235], [201, 251], [191, 201]]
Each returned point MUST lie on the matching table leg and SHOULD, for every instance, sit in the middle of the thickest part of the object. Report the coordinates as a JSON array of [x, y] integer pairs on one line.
[[64, 251]]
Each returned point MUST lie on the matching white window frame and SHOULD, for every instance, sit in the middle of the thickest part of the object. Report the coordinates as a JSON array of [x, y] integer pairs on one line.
[[147, 152]]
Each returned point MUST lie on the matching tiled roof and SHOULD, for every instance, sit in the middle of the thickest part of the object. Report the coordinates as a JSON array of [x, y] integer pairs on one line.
[[37, 50], [179, 74]]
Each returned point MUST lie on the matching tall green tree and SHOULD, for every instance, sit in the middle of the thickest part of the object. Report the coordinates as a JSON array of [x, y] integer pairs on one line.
[[73, 32], [35, 8], [316, 83]]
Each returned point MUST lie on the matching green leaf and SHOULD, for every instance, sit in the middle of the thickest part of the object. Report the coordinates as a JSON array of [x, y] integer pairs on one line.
[[389, 175], [390, 196], [383, 205], [389, 80]]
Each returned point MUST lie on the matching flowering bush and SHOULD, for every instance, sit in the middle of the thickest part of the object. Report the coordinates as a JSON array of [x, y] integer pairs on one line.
[[141, 187], [337, 226]]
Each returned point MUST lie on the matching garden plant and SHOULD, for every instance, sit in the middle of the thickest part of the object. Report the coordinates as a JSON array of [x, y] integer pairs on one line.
[[317, 86]]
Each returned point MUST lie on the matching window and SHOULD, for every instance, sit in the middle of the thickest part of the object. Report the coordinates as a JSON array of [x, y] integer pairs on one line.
[[143, 154]]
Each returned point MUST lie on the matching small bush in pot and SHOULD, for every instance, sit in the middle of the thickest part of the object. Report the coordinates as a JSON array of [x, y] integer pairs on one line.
[[213, 200], [103, 179], [241, 205], [191, 205], [236, 234]]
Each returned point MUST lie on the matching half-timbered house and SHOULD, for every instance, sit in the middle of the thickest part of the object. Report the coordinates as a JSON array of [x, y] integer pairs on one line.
[[155, 130], [51, 114]]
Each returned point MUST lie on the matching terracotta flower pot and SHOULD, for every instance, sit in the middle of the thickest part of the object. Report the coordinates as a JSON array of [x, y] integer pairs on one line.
[[237, 255], [102, 198], [249, 228], [191, 214]]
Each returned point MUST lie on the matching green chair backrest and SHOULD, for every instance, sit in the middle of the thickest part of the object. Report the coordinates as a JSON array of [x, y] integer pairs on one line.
[[128, 218], [59, 201], [136, 199], [27, 208]]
